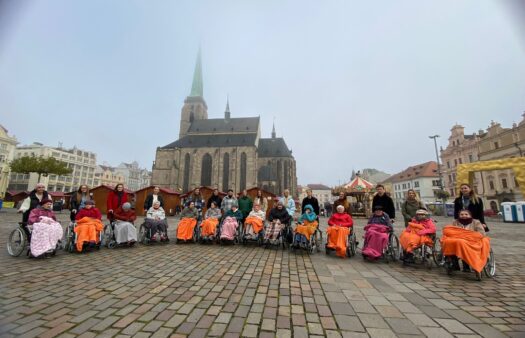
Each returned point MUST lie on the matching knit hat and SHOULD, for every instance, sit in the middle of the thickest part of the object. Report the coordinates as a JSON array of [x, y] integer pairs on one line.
[[89, 202], [46, 200], [421, 212], [378, 207]]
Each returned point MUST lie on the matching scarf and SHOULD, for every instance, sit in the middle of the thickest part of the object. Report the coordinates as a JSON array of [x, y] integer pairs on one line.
[[310, 217]]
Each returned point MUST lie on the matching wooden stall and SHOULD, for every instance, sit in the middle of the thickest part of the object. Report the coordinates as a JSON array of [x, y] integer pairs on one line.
[[100, 196], [170, 197], [272, 198]]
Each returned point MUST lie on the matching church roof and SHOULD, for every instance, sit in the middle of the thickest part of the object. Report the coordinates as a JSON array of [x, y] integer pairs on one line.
[[273, 147], [221, 140], [231, 125]]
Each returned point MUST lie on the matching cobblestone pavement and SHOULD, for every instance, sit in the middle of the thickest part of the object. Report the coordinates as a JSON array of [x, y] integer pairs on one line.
[[230, 291]]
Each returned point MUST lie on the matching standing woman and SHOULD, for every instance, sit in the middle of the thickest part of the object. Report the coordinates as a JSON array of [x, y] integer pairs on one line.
[[261, 200], [78, 201], [468, 200], [33, 200], [411, 205], [116, 199]]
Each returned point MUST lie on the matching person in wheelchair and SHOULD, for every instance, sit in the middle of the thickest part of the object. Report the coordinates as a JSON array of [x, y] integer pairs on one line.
[[421, 230], [277, 218], [230, 222], [188, 221], [46, 231], [465, 239], [377, 233], [156, 222], [339, 226], [125, 232], [254, 223], [306, 226], [88, 226], [211, 220]]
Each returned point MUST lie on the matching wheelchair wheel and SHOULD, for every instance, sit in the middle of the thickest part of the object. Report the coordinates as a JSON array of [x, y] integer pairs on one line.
[[17, 242], [143, 235], [320, 241], [490, 268], [351, 245], [427, 256], [437, 255], [393, 249]]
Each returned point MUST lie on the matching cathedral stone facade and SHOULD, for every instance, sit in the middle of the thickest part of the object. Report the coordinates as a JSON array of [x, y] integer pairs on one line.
[[227, 153]]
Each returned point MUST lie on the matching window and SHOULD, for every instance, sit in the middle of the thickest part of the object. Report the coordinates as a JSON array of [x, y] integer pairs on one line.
[[491, 185], [186, 177], [206, 170], [460, 160], [404, 185], [504, 183], [416, 184], [496, 145], [450, 178], [455, 162], [470, 158], [435, 183], [243, 171], [408, 185], [226, 172]]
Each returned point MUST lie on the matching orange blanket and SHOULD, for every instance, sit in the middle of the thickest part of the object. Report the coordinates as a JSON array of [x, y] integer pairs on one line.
[[410, 240], [307, 229], [470, 246], [87, 230], [337, 237], [208, 226], [256, 222], [185, 228]]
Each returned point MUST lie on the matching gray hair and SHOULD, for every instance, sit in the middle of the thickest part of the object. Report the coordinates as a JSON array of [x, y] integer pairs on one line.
[[126, 206]]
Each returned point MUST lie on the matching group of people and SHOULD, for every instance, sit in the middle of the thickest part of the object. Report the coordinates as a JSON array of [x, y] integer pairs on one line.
[[464, 240]]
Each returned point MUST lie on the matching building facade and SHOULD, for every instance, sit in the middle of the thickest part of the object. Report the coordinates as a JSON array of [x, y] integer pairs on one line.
[[82, 162], [228, 152], [7, 153], [322, 192], [423, 178], [107, 175], [494, 143]]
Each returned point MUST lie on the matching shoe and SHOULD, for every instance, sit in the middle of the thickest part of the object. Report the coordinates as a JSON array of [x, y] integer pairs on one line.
[[163, 238], [153, 238], [131, 243]]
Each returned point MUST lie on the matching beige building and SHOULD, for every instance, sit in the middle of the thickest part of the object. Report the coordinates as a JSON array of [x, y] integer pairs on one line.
[[226, 152], [322, 192], [461, 149], [83, 164], [7, 153], [107, 175], [494, 143]]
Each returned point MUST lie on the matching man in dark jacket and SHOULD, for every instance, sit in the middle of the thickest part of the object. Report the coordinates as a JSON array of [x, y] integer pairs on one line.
[[245, 204], [155, 196], [214, 198], [310, 199], [382, 199]]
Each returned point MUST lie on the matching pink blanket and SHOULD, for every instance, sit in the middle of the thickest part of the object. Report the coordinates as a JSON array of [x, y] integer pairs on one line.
[[45, 236], [376, 239], [229, 228]]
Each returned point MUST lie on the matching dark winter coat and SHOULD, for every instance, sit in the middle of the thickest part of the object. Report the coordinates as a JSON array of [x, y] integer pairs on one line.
[[148, 203], [313, 202], [386, 202], [282, 215], [476, 209]]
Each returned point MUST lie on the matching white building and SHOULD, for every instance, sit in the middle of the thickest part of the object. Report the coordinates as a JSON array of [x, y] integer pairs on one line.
[[319, 191], [423, 178], [7, 153], [135, 178], [83, 164]]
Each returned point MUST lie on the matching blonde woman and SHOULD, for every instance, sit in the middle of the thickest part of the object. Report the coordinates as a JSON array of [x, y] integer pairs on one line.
[[411, 205], [468, 200]]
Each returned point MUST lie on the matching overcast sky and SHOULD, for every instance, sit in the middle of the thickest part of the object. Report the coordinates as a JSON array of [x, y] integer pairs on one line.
[[351, 84]]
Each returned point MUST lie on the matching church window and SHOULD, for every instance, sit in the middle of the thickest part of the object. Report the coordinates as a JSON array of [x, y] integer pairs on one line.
[[206, 170], [286, 175], [226, 172], [243, 171], [186, 177]]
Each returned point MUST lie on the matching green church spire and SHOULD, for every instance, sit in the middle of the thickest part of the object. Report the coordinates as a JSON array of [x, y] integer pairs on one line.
[[196, 87]]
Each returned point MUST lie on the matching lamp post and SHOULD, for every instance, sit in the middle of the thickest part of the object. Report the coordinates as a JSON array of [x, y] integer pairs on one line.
[[439, 173]]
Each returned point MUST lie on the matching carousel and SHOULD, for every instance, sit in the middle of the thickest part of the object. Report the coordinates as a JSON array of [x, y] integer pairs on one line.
[[361, 193]]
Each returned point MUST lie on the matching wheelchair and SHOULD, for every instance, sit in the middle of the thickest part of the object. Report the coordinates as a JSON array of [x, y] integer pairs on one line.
[[351, 244], [237, 238], [245, 239], [70, 239], [312, 245], [145, 234], [423, 255], [284, 238], [18, 242], [195, 236], [109, 238], [391, 251]]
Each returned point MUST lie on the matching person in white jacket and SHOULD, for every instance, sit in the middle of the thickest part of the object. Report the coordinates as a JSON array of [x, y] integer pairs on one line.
[[156, 222]]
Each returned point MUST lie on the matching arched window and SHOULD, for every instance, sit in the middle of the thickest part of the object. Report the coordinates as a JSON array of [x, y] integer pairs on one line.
[[279, 182], [226, 172], [192, 117], [186, 177], [243, 172], [286, 175], [206, 170]]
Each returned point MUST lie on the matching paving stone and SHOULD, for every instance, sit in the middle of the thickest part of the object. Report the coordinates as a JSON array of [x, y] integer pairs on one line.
[[402, 326], [349, 323], [435, 332], [371, 320]]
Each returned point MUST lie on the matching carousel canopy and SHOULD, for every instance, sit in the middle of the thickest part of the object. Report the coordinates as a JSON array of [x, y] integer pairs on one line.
[[359, 184]]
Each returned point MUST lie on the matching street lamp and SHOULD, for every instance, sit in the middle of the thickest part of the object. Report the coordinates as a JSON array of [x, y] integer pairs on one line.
[[439, 173]]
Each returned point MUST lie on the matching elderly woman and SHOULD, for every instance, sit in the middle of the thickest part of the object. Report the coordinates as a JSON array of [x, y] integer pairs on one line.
[[188, 221], [339, 225], [89, 225], [376, 233], [306, 226], [230, 222], [254, 223], [156, 222], [31, 202], [465, 239], [342, 200], [417, 233], [125, 232], [278, 218], [211, 220], [46, 231]]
